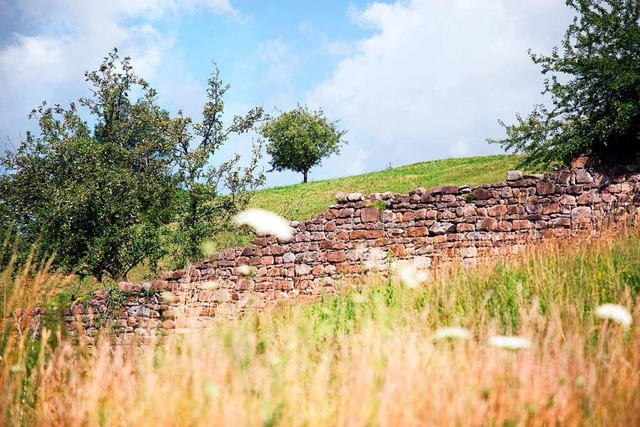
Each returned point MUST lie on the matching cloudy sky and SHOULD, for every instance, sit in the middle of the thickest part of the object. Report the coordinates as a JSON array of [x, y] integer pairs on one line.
[[409, 80]]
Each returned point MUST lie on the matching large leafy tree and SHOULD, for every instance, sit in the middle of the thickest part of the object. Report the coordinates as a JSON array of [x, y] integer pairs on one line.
[[594, 85], [96, 195], [127, 185], [212, 194], [299, 139]]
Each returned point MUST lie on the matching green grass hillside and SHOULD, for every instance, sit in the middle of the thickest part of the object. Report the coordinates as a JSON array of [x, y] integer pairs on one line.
[[304, 201]]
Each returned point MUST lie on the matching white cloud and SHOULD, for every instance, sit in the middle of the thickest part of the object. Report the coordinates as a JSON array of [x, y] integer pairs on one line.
[[436, 75], [70, 36]]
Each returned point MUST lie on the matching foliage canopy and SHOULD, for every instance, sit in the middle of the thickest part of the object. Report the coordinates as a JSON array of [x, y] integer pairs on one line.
[[594, 85], [131, 186], [299, 139]]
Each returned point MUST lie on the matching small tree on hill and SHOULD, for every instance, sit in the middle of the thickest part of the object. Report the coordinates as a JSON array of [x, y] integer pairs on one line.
[[300, 139], [594, 86]]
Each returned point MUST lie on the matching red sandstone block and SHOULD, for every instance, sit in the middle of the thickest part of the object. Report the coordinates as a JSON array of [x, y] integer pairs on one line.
[[450, 189], [266, 260], [504, 226], [488, 224], [369, 214], [550, 209], [334, 257], [465, 228], [398, 250], [417, 231], [437, 240], [366, 234], [342, 235], [544, 188], [499, 210], [481, 194], [520, 224], [346, 212], [277, 250]]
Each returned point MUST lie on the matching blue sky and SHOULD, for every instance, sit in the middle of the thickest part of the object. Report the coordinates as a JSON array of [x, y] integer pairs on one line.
[[410, 80]]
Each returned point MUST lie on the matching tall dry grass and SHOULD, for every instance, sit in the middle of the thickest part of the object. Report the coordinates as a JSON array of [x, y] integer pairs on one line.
[[368, 357]]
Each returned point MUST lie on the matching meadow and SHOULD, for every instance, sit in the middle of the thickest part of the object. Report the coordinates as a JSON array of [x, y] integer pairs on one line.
[[304, 201], [376, 354]]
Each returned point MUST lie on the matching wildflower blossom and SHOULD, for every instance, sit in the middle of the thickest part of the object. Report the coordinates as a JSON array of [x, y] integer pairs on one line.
[[208, 248], [614, 312], [168, 297], [510, 342], [265, 222], [451, 333], [246, 270], [410, 276], [210, 285]]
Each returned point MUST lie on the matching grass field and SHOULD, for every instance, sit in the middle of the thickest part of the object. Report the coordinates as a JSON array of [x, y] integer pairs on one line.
[[304, 201], [366, 357]]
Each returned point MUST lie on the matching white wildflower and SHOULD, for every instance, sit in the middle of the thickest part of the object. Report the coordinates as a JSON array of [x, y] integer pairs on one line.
[[614, 312], [168, 297], [411, 277], [246, 270], [16, 369], [209, 285], [208, 248], [451, 333], [510, 342], [265, 222], [376, 260]]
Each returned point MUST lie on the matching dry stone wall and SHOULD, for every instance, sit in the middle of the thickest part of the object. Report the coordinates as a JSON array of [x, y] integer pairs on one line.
[[354, 236]]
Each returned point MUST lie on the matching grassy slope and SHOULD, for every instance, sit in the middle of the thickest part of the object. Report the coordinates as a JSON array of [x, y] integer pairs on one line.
[[367, 357], [303, 201]]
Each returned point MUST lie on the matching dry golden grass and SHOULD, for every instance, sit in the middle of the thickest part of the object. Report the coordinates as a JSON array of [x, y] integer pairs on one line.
[[368, 357]]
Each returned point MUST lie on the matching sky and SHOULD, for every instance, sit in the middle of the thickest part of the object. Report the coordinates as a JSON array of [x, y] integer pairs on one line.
[[409, 80]]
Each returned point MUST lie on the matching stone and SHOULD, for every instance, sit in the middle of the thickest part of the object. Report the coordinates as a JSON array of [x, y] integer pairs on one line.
[[465, 227], [346, 212], [302, 269], [338, 256], [551, 208], [450, 189], [506, 192], [288, 258], [522, 224], [488, 224], [499, 210], [534, 176], [513, 175], [579, 162], [544, 188], [370, 214], [354, 197], [341, 197], [581, 217], [583, 177], [439, 228], [481, 194], [469, 252], [427, 198]]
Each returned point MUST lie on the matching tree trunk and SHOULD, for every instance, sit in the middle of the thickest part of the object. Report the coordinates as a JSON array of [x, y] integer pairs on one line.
[[305, 176]]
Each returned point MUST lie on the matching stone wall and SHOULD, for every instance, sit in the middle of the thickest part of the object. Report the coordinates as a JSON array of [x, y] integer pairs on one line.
[[354, 236]]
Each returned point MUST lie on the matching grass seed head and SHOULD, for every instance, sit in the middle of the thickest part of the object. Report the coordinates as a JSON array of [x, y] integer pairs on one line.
[[616, 313], [266, 222]]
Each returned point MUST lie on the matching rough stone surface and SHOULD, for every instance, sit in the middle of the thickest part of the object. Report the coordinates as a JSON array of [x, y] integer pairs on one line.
[[434, 226], [513, 175]]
